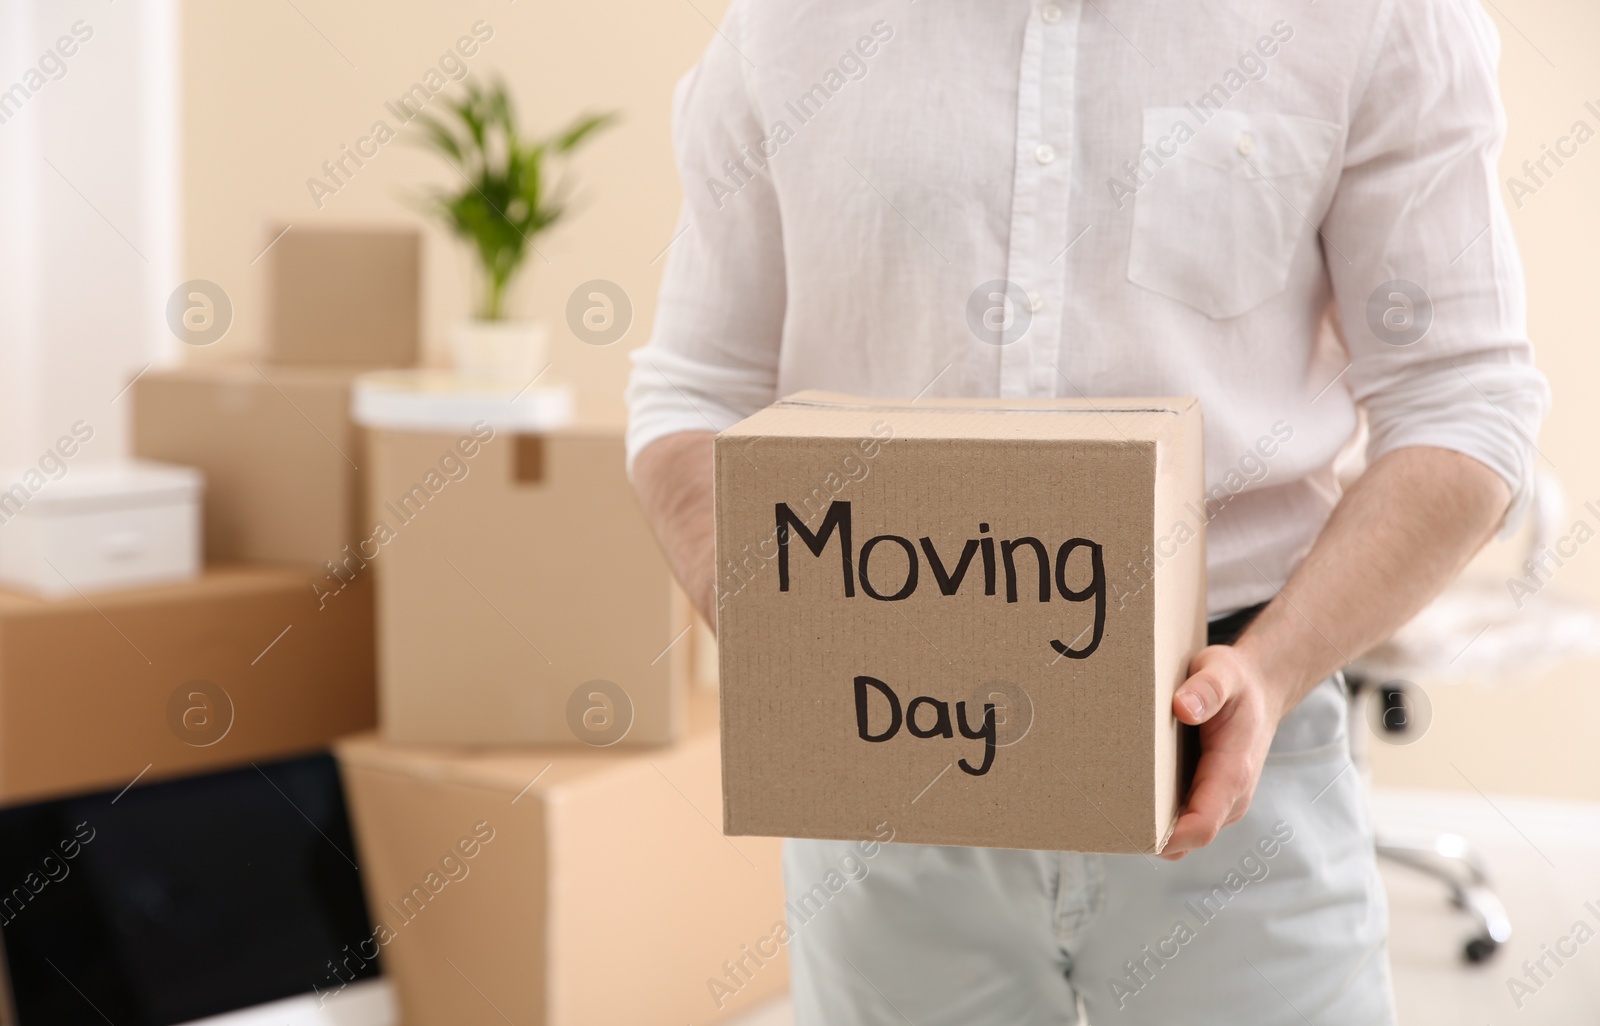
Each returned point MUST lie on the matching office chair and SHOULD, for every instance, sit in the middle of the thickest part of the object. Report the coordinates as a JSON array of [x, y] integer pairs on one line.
[[1447, 858], [1475, 631]]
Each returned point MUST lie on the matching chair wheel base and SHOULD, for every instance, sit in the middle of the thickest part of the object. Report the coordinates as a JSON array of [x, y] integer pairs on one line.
[[1480, 949]]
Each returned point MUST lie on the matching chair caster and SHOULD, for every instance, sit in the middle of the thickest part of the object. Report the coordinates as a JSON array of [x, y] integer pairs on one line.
[[1448, 859]]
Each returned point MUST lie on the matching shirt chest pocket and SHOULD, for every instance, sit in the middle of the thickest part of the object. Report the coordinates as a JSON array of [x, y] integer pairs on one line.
[[1216, 225]]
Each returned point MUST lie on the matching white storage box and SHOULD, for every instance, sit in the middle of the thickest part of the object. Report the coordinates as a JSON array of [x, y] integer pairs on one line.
[[443, 401], [100, 526]]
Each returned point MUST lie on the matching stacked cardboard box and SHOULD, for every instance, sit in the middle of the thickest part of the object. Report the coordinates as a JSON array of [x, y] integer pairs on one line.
[[496, 577], [564, 886], [521, 582], [344, 297], [248, 661], [527, 618], [280, 456], [237, 666]]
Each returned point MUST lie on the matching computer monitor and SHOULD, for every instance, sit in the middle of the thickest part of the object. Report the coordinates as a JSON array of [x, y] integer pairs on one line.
[[229, 897]]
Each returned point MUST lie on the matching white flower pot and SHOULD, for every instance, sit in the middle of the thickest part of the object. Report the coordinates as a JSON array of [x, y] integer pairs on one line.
[[511, 351]]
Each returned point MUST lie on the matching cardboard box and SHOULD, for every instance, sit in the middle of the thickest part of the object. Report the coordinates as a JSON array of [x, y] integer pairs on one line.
[[101, 526], [278, 449], [965, 618], [563, 887], [521, 597], [344, 296], [238, 665]]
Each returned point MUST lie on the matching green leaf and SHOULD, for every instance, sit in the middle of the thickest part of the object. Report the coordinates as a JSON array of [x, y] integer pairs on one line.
[[581, 129], [508, 193], [440, 137], [467, 110], [499, 109]]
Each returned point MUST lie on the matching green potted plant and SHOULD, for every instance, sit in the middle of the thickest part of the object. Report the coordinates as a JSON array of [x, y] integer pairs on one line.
[[512, 190]]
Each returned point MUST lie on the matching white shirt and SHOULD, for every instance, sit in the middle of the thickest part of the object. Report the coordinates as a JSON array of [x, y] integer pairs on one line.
[[1133, 199]]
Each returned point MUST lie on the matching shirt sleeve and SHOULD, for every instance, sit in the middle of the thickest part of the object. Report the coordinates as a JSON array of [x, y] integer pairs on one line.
[[1424, 267], [712, 358]]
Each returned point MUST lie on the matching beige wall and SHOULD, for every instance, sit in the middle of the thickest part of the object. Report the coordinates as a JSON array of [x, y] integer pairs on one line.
[[267, 100]]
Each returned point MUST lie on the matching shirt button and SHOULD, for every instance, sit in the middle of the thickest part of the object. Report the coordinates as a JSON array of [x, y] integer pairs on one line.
[[1247, 144], [1045, 153], [1035, 302], [1050, 13]]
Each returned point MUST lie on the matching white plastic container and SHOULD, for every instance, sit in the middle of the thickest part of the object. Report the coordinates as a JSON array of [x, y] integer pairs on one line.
[[99, 527]]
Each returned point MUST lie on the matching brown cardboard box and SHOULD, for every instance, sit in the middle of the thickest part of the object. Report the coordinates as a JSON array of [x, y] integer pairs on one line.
[[517, 583], [278, 450], [598, 890], [1031, 697], [236, 666], [344, 296]]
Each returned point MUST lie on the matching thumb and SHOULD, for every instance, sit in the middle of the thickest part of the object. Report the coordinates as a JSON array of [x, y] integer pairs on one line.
[[1202, 695]]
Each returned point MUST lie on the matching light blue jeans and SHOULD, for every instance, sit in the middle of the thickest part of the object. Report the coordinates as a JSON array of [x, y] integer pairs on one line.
[[1281, 920]]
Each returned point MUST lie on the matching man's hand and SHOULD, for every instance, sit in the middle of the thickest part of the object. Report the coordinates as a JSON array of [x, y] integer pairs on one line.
[[672, 478], [1237, 712], [1401, 533]]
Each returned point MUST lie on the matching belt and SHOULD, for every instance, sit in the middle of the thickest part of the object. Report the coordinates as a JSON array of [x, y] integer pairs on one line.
[[1226, 631]]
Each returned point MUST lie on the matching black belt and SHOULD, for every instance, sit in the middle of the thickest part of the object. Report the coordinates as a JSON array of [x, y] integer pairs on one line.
[[1227, 630]]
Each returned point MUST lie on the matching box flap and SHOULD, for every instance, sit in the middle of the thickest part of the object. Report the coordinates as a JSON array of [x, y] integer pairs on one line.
[[835, 415]]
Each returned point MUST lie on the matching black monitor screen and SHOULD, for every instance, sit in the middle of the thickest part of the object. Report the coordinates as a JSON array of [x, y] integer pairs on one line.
[[181, 899]]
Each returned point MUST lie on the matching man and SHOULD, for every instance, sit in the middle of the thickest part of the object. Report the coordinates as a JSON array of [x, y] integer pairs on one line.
[[1136, 199]]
